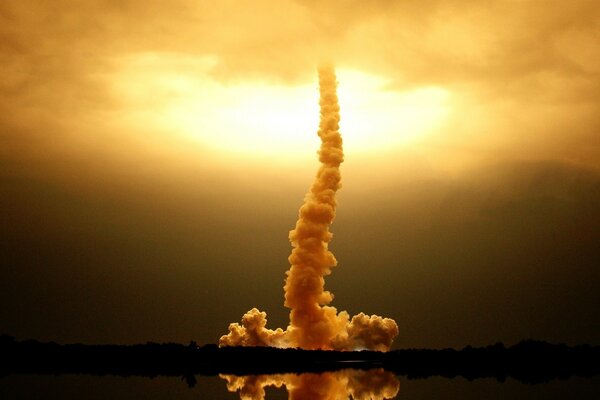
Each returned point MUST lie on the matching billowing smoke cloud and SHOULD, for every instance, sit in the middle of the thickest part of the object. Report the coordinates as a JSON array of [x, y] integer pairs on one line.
[[313, 323], [360, 385]]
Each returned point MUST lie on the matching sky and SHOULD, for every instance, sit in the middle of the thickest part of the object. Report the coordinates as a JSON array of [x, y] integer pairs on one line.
[[153, 157]]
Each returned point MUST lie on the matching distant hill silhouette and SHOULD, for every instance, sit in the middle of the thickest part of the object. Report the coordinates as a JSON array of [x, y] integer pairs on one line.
[[529, 361]]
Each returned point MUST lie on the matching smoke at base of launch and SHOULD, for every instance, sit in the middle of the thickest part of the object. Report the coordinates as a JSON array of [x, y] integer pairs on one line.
[[314, 324]]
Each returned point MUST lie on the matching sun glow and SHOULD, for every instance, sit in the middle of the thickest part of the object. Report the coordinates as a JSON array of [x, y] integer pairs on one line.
[[261, 119]]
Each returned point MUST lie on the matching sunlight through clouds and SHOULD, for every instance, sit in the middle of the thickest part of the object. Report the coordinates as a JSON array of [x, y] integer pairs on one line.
[[262, 119]]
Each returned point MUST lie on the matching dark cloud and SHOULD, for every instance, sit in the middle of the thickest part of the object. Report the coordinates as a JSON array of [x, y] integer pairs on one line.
[[502, 253], [505, 250]]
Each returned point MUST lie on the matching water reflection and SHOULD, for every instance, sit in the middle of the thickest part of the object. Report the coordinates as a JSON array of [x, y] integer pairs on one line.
[[376, 384]]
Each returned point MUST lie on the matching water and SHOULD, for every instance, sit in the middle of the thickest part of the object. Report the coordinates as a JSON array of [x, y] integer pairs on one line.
[[375, 384]]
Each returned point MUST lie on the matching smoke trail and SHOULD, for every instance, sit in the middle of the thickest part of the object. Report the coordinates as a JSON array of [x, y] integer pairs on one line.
[[313, 323]]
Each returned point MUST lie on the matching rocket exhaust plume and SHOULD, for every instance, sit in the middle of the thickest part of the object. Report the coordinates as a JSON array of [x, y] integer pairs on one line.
[[313, 323]]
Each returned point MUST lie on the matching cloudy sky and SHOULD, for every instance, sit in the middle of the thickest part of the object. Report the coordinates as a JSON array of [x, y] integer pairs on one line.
[[153, 156]]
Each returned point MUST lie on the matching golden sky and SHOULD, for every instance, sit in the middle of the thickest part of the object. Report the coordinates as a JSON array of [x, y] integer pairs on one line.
[[457, 81], [139, 134]]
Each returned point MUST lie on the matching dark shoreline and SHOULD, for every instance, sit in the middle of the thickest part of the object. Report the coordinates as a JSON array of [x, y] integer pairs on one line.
[[529, 361]]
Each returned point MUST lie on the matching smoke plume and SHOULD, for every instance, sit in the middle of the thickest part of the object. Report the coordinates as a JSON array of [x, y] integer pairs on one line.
[[356, 384], [313, 323]]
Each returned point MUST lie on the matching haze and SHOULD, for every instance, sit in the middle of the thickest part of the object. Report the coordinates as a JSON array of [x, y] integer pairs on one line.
[[153, 158]]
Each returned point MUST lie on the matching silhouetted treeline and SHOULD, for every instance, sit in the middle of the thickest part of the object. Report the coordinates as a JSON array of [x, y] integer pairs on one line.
[[529, 361]]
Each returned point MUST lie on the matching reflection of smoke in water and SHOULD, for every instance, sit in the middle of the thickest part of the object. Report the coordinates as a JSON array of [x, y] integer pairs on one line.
[[360, 385], [313, 323]]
